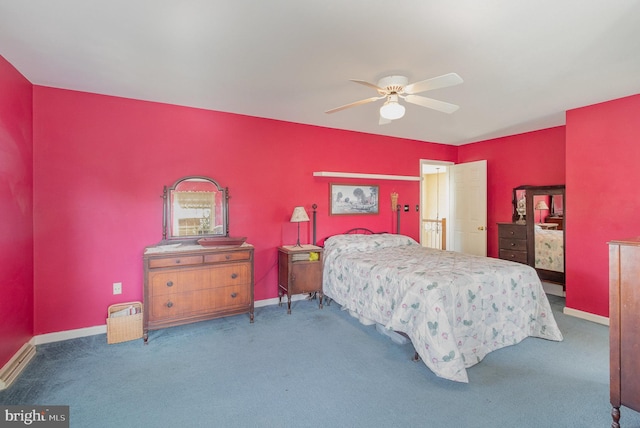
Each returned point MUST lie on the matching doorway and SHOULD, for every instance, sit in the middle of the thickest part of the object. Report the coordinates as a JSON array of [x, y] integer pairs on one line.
[[453, 202], [434, 203]]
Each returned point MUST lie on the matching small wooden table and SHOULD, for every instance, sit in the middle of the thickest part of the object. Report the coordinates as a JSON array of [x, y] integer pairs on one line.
[[549, 226], [299, 271]]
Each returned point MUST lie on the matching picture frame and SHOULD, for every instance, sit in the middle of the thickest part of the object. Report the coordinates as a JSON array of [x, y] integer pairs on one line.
[[354, 199]]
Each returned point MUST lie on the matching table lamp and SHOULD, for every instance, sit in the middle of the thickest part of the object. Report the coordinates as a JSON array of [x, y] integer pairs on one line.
[[541, 205], [299, 215]]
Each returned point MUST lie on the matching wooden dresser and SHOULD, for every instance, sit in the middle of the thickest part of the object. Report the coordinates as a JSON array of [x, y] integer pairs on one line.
[[191, 283], [624, 318], [512, 242]]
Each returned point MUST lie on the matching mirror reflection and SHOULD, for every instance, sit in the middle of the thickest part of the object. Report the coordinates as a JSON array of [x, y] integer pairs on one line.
[[545, 206], [195, 207], [519, 205]]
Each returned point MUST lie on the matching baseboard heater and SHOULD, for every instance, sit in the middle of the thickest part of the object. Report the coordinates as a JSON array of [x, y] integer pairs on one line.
[[16, 365]]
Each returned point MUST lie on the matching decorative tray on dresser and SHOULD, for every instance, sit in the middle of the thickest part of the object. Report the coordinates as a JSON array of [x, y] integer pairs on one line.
[[189, 283]]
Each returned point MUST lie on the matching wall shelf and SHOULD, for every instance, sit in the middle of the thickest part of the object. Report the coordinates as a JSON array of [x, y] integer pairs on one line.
[[367, 176]]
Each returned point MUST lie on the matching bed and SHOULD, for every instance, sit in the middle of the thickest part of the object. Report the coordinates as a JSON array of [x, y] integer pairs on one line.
[[549, 249], [455, 308]]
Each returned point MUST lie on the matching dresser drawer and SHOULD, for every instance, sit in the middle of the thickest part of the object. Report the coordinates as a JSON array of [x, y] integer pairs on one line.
[[177, 281], [181, 280], [194, 303], [517, 231], [227, 257], [513, 244], [175, 261], [514, 256]]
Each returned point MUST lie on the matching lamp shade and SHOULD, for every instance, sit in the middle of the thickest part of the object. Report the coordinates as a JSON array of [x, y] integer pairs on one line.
[[299, 215], [542, 205]]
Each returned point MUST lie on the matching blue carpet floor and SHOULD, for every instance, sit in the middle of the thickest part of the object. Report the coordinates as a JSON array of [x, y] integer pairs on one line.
[[317, 368]]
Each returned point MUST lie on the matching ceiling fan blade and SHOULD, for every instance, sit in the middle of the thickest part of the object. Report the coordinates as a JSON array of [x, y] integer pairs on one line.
[[371, 85], [383, 121], [431, 103], [357, 103], [443, 81]]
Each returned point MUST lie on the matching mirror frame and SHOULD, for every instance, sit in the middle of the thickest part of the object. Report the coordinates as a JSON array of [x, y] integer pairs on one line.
[[167, 213], [531, 192]]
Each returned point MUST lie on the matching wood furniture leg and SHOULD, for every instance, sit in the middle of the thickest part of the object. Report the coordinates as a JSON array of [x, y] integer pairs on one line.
[[615, 415]]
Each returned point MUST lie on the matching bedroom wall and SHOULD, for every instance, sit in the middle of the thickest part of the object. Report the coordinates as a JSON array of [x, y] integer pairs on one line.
[[100, 164], [603, 140], [16, 206], [535, 158]]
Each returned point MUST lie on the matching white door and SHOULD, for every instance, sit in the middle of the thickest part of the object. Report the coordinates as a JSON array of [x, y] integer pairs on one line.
[[468, 208]]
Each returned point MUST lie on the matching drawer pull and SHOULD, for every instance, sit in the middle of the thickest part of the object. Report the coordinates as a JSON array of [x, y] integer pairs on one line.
[[227, 256], [169, 283], [169, 304], [177, 261], [234, 275], [513, 244], [234, 295], [511, 232]]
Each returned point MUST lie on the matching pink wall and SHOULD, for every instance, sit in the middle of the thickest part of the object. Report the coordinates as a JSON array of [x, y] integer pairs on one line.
[[535, 158], [603, 154], [16, 206], [100, 164]]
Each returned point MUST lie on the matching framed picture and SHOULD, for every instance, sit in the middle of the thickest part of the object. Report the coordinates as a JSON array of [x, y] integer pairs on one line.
[[353, 199]]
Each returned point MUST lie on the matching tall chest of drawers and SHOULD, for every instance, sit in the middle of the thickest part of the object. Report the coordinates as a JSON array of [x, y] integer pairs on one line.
[[512, 242], [624, 317], [192, 283]]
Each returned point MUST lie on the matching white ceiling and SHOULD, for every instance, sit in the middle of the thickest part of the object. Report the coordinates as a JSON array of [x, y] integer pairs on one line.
[[524, 63]]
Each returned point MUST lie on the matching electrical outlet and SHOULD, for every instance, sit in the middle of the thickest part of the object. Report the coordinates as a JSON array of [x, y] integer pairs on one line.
[[117, 288]]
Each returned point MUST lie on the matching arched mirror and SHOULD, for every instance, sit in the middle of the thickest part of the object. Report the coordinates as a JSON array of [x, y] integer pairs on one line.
[[545, 220], [195, 208]]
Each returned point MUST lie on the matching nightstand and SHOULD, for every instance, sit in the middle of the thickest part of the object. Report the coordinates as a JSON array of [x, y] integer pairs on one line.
[[299, 271]]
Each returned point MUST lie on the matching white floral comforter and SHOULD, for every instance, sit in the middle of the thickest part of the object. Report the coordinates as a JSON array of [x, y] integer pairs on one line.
[[549, 245], [455, 308]]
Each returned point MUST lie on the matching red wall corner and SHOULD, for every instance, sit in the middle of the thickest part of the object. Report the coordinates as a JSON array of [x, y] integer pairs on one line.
[[16, 196]]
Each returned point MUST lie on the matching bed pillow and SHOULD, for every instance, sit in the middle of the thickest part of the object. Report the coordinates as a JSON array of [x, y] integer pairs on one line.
[[367, 242]]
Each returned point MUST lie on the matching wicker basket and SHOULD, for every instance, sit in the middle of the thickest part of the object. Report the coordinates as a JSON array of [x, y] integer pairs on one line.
[[124, 328]]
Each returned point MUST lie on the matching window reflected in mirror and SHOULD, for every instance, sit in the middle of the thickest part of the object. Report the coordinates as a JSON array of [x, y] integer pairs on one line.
[[195, 207]]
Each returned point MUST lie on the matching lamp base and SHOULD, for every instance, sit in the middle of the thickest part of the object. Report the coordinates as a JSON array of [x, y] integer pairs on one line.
[[298, 242]]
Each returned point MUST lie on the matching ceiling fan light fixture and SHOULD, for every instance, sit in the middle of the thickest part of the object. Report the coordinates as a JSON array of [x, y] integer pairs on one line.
[[391, 109]]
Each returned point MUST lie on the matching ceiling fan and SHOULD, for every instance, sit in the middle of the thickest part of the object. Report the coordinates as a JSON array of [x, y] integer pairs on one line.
[[396, 87]]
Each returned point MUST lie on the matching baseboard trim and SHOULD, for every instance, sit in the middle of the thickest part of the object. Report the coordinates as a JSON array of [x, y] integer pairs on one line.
[[586, 316], [276, 300], [10, 371], [102, 329], [59, 336]]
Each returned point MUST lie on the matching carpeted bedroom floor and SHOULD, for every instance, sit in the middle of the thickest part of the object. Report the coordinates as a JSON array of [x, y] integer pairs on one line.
[[317, 368]]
